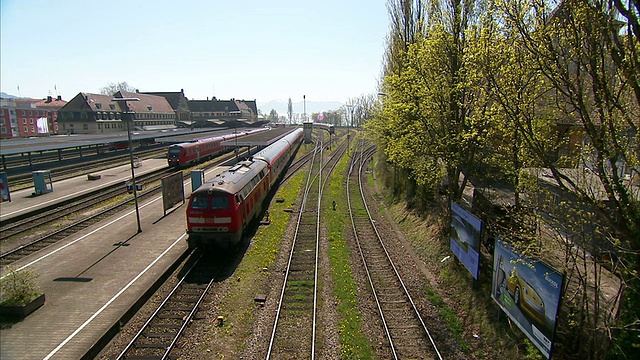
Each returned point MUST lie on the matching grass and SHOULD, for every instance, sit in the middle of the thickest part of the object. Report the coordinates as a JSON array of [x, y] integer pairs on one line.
[[472, 317], [353, 342], [252, 273], [449, 316]]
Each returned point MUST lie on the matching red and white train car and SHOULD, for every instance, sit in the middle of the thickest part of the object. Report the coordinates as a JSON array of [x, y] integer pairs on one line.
[[192, 152], [220, 209]]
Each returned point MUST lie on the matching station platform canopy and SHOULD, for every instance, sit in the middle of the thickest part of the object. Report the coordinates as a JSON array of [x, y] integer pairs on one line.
[[61, 142], [263, 138]]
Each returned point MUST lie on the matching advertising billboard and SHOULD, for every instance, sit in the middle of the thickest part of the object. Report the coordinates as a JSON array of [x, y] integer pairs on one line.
[[465, 238], [172, 190], [528, 292], [42, 124]]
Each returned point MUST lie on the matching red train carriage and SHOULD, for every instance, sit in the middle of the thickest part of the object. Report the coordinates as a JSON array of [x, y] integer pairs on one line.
[[277, 155], [185, 153], [220, 209]]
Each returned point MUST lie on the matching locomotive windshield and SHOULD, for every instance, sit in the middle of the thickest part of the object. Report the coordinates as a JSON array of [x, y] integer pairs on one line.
[[174, 152], [213, 203], [219, 203], [200, 202]]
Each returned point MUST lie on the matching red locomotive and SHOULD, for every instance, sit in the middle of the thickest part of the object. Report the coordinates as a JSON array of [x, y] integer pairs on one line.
[[222, 207]]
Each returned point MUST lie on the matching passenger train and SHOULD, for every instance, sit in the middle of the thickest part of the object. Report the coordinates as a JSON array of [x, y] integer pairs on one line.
[[193, 152], [221, 208]]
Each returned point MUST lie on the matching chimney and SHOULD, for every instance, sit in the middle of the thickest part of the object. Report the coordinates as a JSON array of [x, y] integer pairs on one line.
[[49, 98], [59, 97]]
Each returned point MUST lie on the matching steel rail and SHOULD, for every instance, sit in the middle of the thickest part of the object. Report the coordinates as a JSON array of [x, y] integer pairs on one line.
[[310, 180], [360, 164], [185, 321]]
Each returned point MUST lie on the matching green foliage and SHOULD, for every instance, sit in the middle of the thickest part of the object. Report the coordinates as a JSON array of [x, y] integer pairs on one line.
[[531, 96], [353, 342], [449, 317], [18, 288]]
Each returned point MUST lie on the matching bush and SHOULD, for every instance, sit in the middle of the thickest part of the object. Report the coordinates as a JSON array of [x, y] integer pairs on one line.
[[18, 288]]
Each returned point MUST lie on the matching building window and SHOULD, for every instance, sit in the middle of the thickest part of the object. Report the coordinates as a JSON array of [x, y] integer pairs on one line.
[[26, 130], [30, 113], [24, 121], [98, 106], [24, 113], [112, 106], [33, 130], [30, 121]]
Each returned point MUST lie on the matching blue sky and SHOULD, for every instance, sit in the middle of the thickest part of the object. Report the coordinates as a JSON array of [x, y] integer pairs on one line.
[[328, 50]]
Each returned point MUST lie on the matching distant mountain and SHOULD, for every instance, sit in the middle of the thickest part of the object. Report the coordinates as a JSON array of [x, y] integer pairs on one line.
[[4, 95], [298, 107]]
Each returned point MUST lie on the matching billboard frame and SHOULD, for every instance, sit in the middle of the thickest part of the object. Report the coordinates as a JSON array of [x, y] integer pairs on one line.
[[463, 222], [541, 294]]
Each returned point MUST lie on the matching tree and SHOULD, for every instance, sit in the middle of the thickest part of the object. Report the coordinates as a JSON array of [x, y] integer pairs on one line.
[[590, 85], [433, 119], [112, 88], [273, 116], [290, 111]]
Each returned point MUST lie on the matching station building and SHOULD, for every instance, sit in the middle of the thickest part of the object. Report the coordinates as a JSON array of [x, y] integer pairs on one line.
[[97, 114]]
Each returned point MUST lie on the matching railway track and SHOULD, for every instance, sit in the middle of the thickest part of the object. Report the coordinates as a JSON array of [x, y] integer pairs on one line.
[[407, 335], [80, 167], [76, 206], [160, 333], [294, 329], [42, 242], [18, 225]]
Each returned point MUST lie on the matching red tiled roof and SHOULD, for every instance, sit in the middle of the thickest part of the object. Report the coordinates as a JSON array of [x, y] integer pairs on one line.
[[147, 103]]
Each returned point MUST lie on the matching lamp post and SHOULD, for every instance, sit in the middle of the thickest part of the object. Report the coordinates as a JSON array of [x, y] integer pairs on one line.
[[349, 122], [129, 119]]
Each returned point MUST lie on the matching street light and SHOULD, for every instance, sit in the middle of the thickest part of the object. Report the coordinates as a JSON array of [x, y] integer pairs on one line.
[[129, 119], [349, 119]]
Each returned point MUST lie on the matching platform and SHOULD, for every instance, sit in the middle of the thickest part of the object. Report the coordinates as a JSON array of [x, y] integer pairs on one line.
[[23, 201], [92, 278]]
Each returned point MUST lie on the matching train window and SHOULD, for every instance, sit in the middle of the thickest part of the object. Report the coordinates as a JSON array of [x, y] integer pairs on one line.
[[219, 203], [199, 202]]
